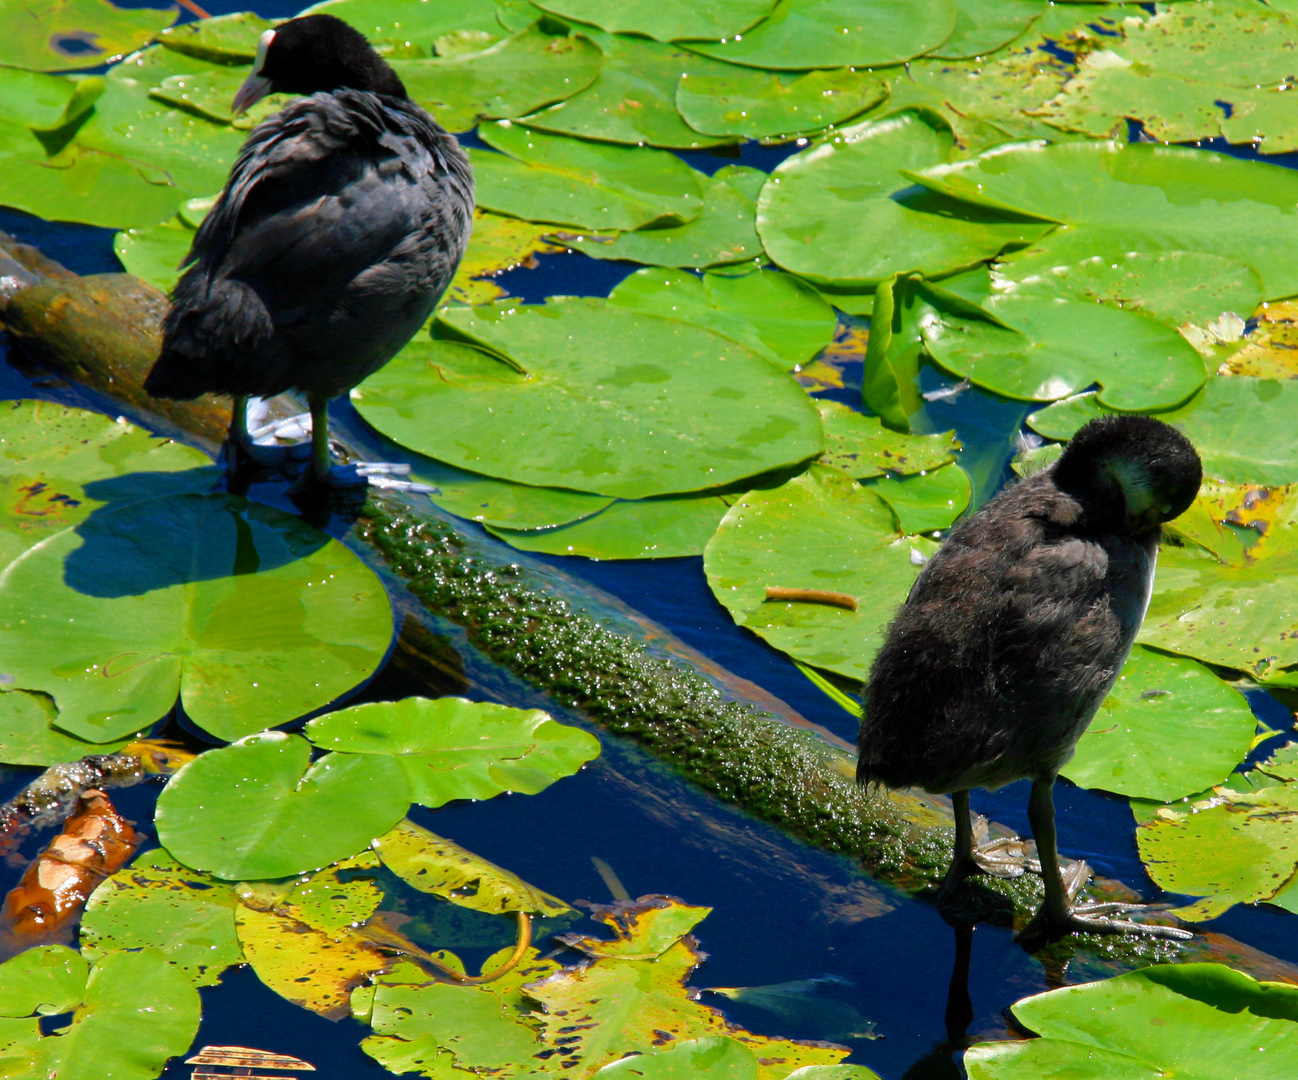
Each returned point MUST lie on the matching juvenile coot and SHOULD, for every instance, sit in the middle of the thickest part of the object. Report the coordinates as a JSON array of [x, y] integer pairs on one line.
[[1016, 630], [342, 222]]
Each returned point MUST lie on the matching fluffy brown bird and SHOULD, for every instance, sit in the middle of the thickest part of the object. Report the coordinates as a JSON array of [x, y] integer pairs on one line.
[[1017, 629]]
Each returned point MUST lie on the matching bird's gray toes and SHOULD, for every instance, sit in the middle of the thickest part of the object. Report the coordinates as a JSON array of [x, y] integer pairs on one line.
[[1007, 857], [288, 428], [1095, 921], [379, 474]]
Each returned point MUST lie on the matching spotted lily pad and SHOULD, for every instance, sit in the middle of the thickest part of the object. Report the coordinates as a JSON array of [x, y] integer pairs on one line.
[[542, 177], [862, 447], [779, 538], [260, 808], [675, 408], [838, 212], [247, 614], [1169, 728], [1196, 1021], [456, 749], [60, 35]]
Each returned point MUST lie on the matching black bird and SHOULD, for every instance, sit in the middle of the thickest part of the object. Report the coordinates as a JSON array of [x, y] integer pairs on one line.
[[1016, 630], [341, 224]]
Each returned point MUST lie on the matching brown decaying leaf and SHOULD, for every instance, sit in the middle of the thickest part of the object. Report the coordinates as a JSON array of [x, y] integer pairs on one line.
[[1271, 350]]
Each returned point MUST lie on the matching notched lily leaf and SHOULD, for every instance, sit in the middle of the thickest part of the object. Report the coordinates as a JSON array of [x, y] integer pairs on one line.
[[862, 447], [643, 929]]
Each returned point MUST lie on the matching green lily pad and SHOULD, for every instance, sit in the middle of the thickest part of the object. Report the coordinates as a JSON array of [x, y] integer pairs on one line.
[[158, 904], [669, 527], [210, 92], [133, 1013], [1232, 422], [714, 1058], [774, 314], [542, 177], [1169, 728], [724, 232], [666, 20], [248, 614], [774, 106], [260, 808], [676, 408], [1228, 595], [778, 538], [839, 33], [862, 447], [399, 29], [983, 26], [832, 212], [33, 99], [501, 503], [456, 749], [926, 501], [1035, 346], [28, 735], [1192, 1021], [155, 252], [895, 347], [1175, 287], [45, 981], [223, 39], [60, 35], [1141, 198], [514, 76], [59, 464], [634, 99]]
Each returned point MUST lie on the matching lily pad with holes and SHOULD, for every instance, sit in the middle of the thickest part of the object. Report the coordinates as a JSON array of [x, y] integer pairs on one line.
[[775, 106], [1197, 1021], [61, 35], [517, 75], [260, 808], [456, 749], [542, 177], [862, 447], [634, 98], [1139, 197], [838, 213], [245, 613], [821, 531], [802, 34], [666, 20], [675, 408], [1232, 422], [1169, 728], [774, 314], [724, 232], [672, 526]]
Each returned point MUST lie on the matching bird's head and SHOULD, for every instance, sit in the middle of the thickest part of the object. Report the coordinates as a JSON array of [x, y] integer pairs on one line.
[[1134, 472], [312, 54]]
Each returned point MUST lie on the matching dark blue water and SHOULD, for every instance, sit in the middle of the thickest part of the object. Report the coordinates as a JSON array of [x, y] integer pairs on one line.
[[782, 911]]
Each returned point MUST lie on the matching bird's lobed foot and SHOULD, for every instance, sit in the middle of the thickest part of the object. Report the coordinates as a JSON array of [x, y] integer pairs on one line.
[[1099, 918], [378, 474], [1008, 857]]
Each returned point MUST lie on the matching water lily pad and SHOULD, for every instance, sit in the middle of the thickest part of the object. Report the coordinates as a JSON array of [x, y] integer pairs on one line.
[[724, 232], [666, 20], [675, 408], [543, 177], [983, 26], [862, 447], [497, 244], [1032, 345], [926, 501], [714, 1058], [249, 615], [833, 212], [1141, 198], [820, 531], [60, 35], [1176, 287], [669, 527], [158, 904], [433, 864], [1169, 728], [1232, 422], [634, 99], [774, 106], [33, 99], [457, 749], [517, 75], [59, 464], [397, 28], [28, 735], [1196, 1021], [46, 980], [223, 39], [260, 808], [501, 503], [839, 33], [774, 314], [894, 349]]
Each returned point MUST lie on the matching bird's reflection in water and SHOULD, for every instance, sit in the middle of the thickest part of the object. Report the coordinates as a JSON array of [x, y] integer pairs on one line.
[[941, 1063]]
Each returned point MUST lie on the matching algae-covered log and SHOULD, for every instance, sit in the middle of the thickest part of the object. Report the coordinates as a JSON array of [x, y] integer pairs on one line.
[[577, 644]]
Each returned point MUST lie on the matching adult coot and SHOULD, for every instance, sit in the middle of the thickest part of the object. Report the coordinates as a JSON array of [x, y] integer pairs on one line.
[[342, 222], [1016, 630]]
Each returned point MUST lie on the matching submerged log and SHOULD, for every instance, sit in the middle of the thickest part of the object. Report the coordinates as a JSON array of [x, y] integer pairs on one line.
[[590, 652]]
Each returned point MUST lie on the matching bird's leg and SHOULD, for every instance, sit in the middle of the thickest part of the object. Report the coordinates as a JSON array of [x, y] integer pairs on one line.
[[241, 448], [319, 474], [962, 858], [1059, 913]]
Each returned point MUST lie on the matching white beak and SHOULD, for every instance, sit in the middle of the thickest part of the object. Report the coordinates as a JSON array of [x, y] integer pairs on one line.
[[255, 86]]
